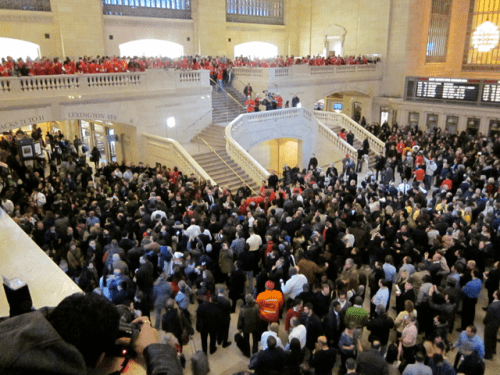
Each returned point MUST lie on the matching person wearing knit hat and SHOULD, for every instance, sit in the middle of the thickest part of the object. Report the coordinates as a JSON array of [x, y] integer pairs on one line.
[[270, 303]]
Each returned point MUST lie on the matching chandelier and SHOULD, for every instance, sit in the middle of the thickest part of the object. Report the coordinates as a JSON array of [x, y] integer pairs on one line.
[[485, 37]]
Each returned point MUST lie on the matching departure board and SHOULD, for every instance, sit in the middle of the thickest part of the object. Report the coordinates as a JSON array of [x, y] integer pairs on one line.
[[448, 88], [491, 92]]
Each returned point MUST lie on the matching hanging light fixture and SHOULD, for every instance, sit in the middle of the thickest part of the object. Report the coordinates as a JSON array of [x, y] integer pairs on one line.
[[485, 37]]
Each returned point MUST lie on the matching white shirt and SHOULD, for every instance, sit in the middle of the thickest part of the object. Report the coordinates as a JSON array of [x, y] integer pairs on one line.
[[299, 332], [39, 199], [193, 230], [254, 242], [294, 286]]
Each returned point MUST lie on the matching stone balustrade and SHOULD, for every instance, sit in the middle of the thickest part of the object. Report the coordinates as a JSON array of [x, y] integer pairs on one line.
[[299, 71], [76, 85], [347, 123], [251, 129], [169, 152]]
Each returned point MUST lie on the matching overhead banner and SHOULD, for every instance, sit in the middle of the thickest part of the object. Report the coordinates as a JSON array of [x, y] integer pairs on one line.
[[17, 118]]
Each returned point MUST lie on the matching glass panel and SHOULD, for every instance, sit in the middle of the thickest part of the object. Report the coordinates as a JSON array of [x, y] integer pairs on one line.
[[451, 124], [439, 27], [494, 128], [34, 5], [473, 126], [482, 49], [432, 121], [255, 11]]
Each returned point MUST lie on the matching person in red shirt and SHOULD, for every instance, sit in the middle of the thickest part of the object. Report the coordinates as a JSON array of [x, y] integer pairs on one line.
[[295, 311], [419, 159], [419, 174], [57, 66], [279, 101], [250, 104], [447, 183], [343, 135]]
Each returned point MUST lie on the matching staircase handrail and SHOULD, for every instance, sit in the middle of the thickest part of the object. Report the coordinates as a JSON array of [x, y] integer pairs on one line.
[[227, 165], [376, 145], [242, 157], [218, 117], [195, 121], [342, 145], [232, 97], [183, 155]]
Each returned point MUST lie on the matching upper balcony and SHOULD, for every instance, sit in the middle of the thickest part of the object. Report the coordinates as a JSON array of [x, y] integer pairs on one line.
[[300, 72], [79, 85], [312, 83]]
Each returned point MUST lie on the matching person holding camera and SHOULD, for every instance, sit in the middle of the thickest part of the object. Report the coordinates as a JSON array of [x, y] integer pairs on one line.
[[74, 336]]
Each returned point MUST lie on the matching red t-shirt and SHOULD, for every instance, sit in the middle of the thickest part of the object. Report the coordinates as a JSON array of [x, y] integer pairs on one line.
[[419, 174]]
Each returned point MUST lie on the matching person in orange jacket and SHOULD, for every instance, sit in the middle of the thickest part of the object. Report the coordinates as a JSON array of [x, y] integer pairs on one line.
[[270, 303]]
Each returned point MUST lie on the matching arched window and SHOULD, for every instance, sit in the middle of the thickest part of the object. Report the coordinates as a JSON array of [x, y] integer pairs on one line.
[[151, 47], [259, 50], [18, 48]]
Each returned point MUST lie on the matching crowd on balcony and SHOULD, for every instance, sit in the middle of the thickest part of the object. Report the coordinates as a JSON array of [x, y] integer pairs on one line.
[[312, 251], [93, 65]]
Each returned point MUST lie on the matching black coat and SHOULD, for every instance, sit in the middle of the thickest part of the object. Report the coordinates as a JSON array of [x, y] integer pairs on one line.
[[380, 327], [207, 317], [371, 362]]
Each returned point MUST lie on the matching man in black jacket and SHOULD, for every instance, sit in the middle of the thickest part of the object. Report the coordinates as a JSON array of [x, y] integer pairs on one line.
[[269, 361], [224, 305], [207, 321], [371, 362], [313, 325], [491, 324], [380, 326]]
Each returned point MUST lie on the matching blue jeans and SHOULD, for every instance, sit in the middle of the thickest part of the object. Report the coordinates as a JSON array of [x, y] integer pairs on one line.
[[428, 182], [219, 82]]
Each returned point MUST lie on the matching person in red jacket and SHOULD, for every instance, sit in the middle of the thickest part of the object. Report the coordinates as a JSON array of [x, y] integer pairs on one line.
[[250, 104], [419, 173], [279, 101]]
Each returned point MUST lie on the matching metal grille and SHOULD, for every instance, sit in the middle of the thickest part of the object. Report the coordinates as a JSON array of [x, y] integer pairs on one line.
[[37, 5], [481, 11], [439, 29], [255, 11], [148, 8]]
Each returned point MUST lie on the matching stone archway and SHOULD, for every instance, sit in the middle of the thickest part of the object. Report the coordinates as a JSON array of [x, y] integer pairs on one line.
[[334, 40], [17, 48]]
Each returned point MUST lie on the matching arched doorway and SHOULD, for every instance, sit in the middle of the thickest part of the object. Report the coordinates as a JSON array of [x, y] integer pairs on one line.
[[17, 48], [151, 47], [275, 153], [334, 41], [259, 50]]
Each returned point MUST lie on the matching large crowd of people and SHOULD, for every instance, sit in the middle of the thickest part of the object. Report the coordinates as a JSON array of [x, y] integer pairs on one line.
[[115, 64], [309, 251]]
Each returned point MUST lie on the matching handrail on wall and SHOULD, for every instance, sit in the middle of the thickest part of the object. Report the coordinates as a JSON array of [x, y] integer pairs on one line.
[[227, 165], [232, 97], [376, 144], [188, 158]]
